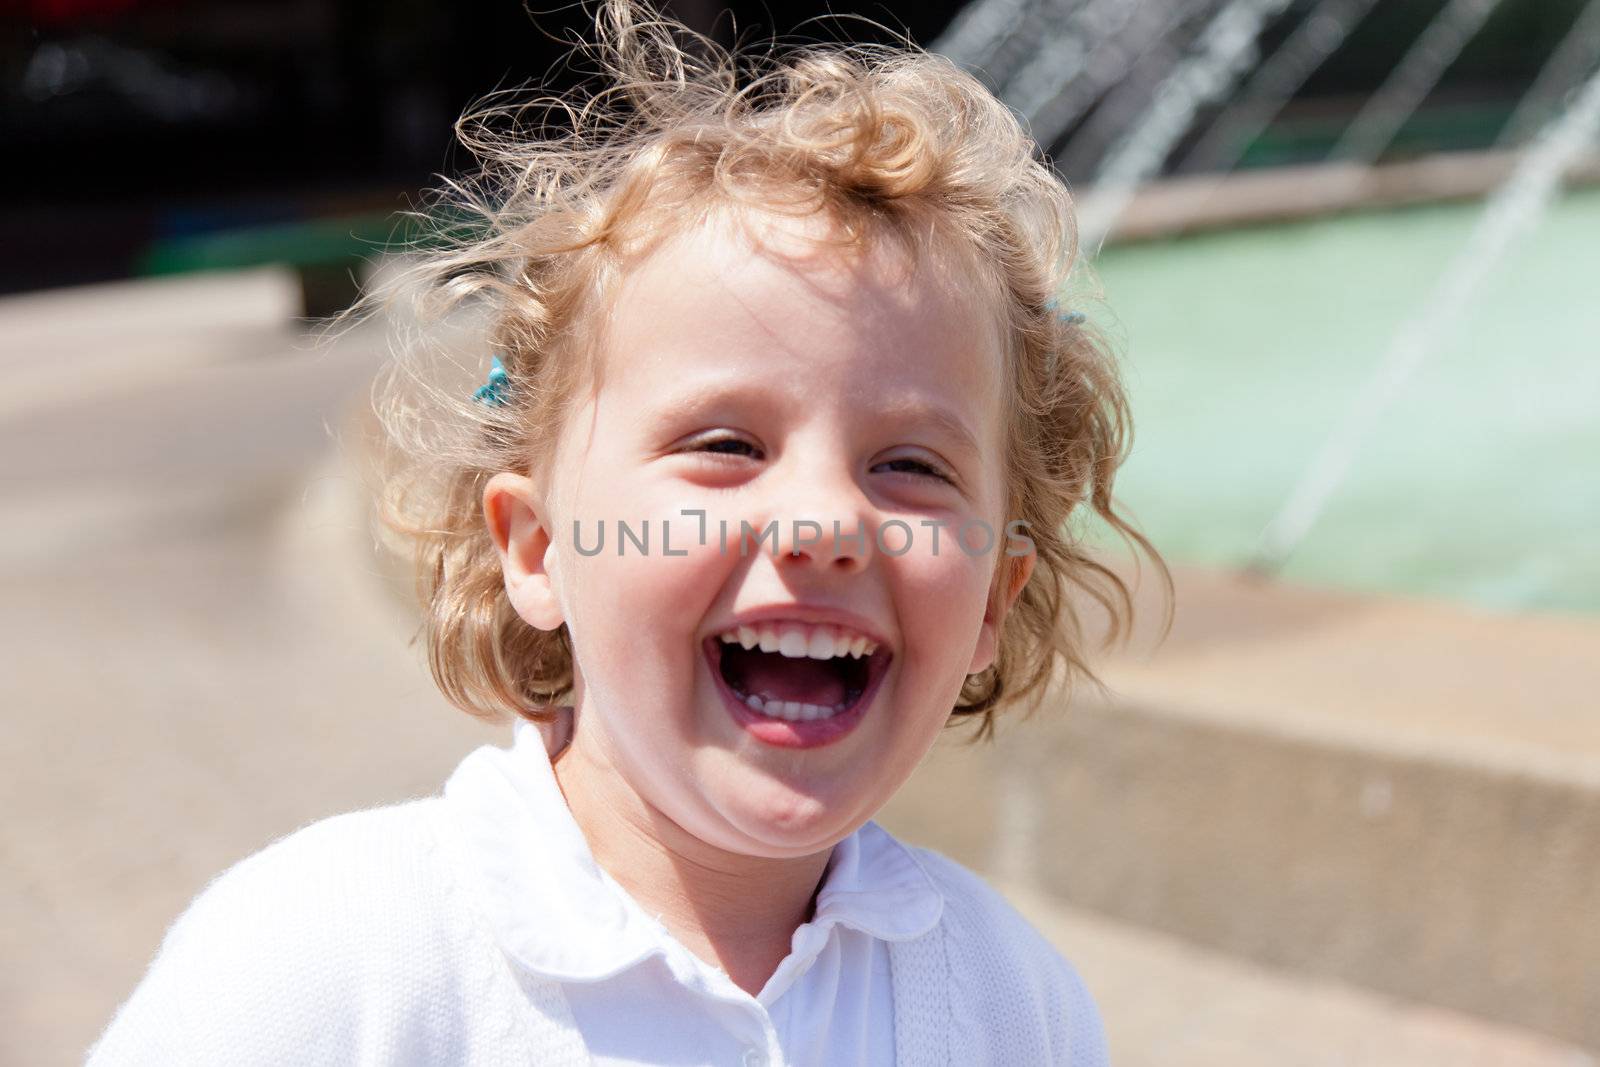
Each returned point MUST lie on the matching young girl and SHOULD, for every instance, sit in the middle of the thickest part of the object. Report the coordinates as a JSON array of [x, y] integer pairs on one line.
[[773, 479]]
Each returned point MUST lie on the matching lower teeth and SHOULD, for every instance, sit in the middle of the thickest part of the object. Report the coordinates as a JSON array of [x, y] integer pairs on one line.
[[793, 711]]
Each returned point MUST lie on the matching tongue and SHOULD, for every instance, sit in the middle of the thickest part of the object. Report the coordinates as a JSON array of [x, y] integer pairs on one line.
[[772, 676]]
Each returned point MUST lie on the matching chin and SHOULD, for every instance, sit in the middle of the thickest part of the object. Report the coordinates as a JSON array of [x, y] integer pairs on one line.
[[782, 821]]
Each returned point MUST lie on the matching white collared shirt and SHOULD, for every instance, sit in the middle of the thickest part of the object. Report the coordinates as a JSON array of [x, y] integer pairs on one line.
[[563, 917], [476, 928]]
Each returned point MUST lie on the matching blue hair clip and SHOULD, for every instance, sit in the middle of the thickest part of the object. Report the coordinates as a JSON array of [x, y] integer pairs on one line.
[[493, 391], [1071, 318]]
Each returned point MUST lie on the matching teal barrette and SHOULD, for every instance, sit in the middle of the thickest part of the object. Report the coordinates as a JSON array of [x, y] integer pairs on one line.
[[1070, 318], [493, 391]]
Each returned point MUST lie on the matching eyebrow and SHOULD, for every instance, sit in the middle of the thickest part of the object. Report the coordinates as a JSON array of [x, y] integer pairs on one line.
[[911, 410], [708, 393]]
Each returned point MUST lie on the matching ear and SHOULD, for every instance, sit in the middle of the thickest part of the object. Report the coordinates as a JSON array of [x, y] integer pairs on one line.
[[522, 534], [1021, 566]]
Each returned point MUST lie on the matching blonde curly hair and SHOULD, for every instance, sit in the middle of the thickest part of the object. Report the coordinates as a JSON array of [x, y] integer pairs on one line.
[[886, 141]]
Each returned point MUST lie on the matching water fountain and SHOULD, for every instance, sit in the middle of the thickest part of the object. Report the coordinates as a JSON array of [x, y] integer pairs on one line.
[[1087, 53], [978, 29], [1317, 37], [1374, 127], [1120, 89], [1144, 42], [1579, 51], [1511, 211], [1224, 52], [1066, 53]]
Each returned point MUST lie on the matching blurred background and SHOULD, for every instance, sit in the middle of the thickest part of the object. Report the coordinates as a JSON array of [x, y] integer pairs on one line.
[[1347, 812]]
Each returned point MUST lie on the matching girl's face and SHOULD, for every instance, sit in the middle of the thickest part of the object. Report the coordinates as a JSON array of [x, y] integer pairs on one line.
[[754, 377]]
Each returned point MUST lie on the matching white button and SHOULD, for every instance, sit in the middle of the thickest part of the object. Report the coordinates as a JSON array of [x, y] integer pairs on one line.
[[754, 1057]]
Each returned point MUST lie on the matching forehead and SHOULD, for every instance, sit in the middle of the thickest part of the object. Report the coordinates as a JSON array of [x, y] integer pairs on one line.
[[755, 298]]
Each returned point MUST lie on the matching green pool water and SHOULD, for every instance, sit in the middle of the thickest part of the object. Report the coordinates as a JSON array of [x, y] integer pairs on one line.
[[1482, 482]]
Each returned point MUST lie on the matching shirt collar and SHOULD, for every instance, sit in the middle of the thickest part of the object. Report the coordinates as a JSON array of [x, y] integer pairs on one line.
[[557, 912]]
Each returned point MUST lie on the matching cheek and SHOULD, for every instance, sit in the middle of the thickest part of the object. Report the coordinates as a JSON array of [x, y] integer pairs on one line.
[[945, 599], [636, 615], [637, 609]]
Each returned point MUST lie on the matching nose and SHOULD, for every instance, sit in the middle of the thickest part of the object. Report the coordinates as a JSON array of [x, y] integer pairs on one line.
[[824, 520]]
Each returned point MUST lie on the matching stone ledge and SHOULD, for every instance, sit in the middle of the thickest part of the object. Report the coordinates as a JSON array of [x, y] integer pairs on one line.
[[1394, 794], [1173, 206]]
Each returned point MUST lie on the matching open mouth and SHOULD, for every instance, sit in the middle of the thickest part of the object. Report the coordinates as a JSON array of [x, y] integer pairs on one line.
[[797, 687]]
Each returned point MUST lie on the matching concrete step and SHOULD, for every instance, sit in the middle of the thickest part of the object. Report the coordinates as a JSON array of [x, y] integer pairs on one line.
[[1397, 795]]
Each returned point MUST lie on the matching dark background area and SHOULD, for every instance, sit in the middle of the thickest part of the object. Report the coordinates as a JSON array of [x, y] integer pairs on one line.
[[148, 136]]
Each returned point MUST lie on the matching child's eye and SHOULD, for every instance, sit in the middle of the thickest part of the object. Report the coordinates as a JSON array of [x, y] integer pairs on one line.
[[923, 470], [726, 446]]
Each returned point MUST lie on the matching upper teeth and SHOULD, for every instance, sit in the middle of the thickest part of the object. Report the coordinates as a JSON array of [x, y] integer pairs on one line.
[[796, 641]]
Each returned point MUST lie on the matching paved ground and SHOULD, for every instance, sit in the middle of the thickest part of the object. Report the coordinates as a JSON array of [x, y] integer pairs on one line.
[[196, 661], [200, 656], [1167, 1003]]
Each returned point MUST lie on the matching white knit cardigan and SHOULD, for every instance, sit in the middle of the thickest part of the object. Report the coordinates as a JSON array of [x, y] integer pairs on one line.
[[353, 941]]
